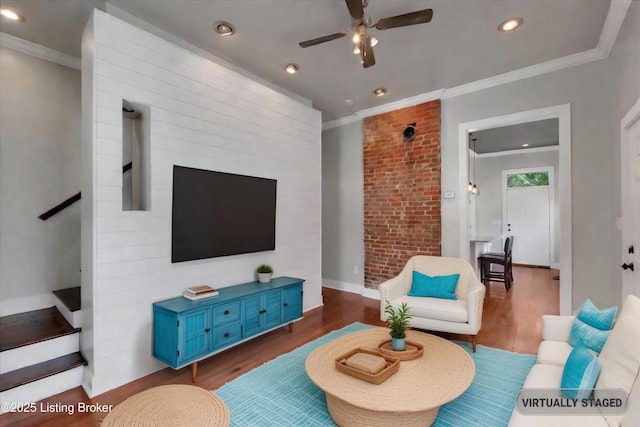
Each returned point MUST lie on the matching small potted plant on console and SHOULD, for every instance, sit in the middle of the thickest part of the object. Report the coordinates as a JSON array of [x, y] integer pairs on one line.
[[264, 273], [398, 321]]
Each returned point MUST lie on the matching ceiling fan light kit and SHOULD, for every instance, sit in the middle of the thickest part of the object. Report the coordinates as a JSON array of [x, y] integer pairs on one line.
[[363, 41]]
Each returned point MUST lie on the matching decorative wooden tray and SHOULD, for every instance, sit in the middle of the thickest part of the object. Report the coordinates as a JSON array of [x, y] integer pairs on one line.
[[393, 364], [413, 350]]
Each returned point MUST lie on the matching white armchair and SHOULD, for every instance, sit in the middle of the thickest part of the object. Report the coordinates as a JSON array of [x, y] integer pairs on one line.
[[461, 316]]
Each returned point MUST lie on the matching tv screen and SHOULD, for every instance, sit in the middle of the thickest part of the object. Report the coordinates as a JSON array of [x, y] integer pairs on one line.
[[217, 214]]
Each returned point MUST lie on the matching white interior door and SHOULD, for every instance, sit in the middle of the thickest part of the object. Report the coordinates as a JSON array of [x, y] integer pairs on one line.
[[527, 216], [630, 150]]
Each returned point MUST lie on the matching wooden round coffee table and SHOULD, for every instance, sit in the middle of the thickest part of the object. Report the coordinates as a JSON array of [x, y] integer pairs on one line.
[[410, 397]]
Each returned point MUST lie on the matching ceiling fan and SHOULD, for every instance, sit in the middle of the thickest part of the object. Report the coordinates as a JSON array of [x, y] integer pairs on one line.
[[363, 41]]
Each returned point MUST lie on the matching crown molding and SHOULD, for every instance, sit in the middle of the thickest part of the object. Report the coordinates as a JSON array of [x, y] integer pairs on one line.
[[39, 51], [340, 122], [403, 103], [385, 108], [525, 73], [617, 11]]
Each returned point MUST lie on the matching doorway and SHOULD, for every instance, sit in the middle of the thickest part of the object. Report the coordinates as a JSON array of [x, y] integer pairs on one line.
[[563, 114]]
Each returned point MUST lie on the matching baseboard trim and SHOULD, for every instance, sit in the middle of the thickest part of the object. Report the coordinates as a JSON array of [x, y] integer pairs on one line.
[[353, 288], [545, 267]]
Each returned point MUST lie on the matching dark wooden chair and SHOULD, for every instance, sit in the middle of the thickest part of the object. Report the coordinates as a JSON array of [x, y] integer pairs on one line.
[[502, 260]]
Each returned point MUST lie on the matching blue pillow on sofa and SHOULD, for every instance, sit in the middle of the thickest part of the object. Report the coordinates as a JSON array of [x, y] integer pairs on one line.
[[601, 319], [592, 326], [435, 287], [580, 373], [592, 337]]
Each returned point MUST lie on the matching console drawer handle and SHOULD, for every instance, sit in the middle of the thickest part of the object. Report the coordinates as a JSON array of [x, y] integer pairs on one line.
[[226, 334], [226, 312]]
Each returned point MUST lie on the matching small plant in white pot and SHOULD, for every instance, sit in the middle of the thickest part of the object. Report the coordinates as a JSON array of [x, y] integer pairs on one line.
[[398, 321], [264, 273]]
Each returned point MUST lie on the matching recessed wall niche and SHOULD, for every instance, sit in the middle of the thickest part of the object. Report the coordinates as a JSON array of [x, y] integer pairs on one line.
[[136, 157]]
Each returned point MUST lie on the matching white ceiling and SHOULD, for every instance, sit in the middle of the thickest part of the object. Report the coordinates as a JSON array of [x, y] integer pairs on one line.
[[542, 133], [460, 45]]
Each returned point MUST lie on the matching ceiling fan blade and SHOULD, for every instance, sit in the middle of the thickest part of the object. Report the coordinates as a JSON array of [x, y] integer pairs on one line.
[[319, 40], [355, 9], [366, 52], [412, 18]]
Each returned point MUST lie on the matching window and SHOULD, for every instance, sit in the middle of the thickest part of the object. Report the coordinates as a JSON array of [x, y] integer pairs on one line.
[[529, 179]]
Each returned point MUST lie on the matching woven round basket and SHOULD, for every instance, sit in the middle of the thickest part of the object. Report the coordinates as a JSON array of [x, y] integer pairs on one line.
[[170, 406]]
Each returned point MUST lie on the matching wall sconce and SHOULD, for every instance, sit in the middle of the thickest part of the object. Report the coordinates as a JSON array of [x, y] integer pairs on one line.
[[409, 132]]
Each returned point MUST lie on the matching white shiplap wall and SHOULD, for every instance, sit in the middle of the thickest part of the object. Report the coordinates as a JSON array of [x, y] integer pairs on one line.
[[204, 116]]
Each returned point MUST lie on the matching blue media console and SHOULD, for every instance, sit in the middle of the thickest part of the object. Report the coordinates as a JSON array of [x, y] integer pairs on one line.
[[186, 331]]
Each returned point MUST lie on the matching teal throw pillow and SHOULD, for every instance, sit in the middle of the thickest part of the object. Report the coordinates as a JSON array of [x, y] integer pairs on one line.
[[580, 373], [592, 337], [435, 287], [601, 319]]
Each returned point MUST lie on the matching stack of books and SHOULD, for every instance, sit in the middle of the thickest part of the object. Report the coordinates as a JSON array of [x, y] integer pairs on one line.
[[199, 292]]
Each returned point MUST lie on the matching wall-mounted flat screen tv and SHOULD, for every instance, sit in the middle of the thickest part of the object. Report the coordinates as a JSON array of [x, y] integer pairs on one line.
[[217, 214]]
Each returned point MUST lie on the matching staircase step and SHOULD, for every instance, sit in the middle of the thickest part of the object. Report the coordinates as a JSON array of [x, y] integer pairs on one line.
[[42, 389], [41, 370], [24, 356], [68, 303], [22, 329], [69, 297]]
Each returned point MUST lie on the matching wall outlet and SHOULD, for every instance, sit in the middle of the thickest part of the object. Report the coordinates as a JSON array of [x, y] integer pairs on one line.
[[449, 195], [356, 270]]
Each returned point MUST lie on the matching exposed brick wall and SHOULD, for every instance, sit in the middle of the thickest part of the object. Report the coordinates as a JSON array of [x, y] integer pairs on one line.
[[401, 190]]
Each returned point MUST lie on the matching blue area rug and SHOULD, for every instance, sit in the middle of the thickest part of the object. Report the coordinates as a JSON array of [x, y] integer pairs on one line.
[[279, 393]]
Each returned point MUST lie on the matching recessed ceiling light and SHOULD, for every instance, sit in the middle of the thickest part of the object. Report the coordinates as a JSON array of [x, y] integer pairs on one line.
[[374, 41], [379, 91], [510, 24], [291, 68], [12, 15], [525, 145], [224, 28]]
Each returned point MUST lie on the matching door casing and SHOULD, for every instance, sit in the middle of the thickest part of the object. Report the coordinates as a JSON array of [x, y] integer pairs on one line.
[[629, 199]]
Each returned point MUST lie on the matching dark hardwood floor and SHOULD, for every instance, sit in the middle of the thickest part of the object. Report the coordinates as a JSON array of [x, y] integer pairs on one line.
[[511, 321], [23, 329]]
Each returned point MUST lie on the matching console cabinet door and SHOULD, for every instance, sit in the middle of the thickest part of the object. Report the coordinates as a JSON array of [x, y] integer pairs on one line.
[[261, 312], [291, 303], [195, 332], [271, 309], [251, 314]]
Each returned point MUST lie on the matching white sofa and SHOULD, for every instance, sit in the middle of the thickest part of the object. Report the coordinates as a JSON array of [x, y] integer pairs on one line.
[[619, 368], [461, 316]]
